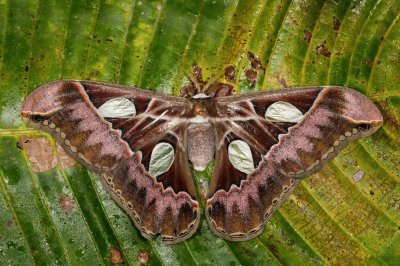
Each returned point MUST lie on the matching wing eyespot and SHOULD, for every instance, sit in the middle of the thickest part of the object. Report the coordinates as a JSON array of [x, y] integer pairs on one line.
[[221, 230], [137, 218], [168, 238], [253, 231], [118, 192], [274, 202], [237, 235], [149, 233], [182, 234], [267, 214]]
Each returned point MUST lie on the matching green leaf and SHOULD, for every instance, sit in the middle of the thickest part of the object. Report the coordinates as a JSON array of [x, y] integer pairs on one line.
[[330, 219]]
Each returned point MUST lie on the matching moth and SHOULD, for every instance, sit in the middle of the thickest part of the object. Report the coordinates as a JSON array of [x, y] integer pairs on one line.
[[146, 144]]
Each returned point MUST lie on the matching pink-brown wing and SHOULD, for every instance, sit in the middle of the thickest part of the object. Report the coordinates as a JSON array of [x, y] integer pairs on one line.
[[239, 204], [119, 148]]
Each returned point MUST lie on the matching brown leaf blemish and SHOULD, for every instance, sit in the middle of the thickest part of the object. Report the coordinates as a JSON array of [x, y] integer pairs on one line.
[[229, 73], [41, 154], [336, 23], [322, 49], [251, 75], [10, 223], [116, 256], [307, 36], [66, 203], [143, 257], [253, 72], [369, 62], [282, 81]]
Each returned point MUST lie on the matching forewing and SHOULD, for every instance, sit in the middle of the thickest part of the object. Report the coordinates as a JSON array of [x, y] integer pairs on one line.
[[291, 134], [114, 130]]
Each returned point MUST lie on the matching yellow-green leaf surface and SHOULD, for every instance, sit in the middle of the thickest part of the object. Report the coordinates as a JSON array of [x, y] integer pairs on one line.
[[330, 219]]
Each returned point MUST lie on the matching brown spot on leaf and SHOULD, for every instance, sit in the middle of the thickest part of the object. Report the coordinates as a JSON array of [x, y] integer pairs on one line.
[[210, 87], [388, 116], [274, 250], [307, 36], [255, 62], [34, 251], [251, 76], [143, 257], [41, 154], [66, 203], [198, 74], [229, 73], [10, 223], [116, 256], [255, 69], [282, 81], [322, 49], [369, 63], [336, 23], [188, 90], [220, 89]]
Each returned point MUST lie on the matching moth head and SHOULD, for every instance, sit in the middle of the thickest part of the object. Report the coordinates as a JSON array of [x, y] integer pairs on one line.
[[46, 100], [362, 112]]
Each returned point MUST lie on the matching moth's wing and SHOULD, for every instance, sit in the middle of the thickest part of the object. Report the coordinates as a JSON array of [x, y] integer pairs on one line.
[[112, 130], [239, 204]]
